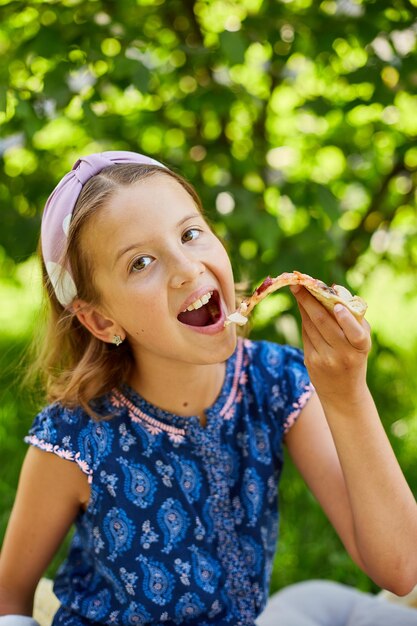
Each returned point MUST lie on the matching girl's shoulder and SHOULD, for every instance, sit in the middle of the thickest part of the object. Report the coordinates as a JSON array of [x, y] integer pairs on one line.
[[59, 416], [279, 379], [73, 434], [272, 358]]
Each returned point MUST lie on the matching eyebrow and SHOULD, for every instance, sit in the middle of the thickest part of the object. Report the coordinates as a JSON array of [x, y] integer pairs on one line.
[[139, 244]]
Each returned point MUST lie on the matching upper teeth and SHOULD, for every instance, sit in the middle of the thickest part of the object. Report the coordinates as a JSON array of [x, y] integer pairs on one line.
[[200, 302]]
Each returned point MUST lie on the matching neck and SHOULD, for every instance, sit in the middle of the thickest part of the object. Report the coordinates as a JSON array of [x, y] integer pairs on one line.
[[186, 390]]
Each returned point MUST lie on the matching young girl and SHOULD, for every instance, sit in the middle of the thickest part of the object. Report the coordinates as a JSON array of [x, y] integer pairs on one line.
[[163, 441]]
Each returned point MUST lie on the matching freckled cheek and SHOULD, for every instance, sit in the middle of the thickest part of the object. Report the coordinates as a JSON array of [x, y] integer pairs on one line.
[[148, 315], [155, 307]]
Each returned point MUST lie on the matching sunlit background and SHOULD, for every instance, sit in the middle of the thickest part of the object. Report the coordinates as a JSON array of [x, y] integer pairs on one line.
[[295, 120]]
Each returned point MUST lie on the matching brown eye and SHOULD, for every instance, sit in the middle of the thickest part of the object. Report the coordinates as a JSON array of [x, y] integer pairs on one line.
[[190, 234], [140, 263]]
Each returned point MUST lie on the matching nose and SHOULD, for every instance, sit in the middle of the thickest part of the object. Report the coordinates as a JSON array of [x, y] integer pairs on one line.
[[184, 268]]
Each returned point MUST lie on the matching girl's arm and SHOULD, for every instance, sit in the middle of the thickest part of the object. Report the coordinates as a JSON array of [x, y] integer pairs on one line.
[[342, 450], [51, 492]]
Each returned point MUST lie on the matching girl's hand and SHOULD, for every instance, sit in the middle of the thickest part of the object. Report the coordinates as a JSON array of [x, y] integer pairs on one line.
[[336, 348]]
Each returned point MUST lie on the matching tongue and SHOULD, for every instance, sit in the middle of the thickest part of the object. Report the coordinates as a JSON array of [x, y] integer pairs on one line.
[[197, 317]]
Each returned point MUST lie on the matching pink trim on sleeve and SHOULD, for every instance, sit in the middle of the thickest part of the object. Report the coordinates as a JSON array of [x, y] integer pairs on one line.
[[297, 406], [63, 454]]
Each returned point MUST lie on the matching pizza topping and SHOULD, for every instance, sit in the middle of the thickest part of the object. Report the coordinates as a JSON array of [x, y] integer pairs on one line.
[[203, 312], [323, 287], [266, 283], [236, 318]]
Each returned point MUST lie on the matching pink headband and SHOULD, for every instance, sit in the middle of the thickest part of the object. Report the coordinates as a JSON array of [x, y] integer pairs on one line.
[[58, 212]]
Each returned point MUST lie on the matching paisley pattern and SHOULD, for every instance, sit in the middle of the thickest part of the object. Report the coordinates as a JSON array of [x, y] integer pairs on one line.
[[259, 444], [174, 522], [136, 615], [188, 477], [188, 608], [95, 442], [158, 582], [182, 522], [140, 485], [206, 570], [231, 464], [119, 530], [252, 494], [252, 552], [96, 608]]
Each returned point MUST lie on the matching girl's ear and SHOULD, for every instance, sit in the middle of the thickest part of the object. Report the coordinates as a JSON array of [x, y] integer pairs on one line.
[[102, 327]]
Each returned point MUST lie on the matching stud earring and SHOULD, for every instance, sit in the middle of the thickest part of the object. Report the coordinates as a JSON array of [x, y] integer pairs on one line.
[[117, 340]]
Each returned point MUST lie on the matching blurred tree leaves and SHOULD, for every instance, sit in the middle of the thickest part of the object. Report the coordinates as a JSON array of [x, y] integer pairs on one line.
[[304, 112]]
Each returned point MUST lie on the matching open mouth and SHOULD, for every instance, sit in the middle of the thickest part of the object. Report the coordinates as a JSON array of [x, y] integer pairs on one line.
[[205, 315]]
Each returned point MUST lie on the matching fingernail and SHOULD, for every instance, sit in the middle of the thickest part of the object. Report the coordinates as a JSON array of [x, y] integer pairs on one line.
[[338, 308], [295, 288]]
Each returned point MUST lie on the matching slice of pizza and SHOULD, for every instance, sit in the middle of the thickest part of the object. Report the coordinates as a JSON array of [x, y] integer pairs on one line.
[[328, 296]]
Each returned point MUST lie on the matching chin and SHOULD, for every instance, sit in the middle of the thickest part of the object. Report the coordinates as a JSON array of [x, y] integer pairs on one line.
[[223, 348]]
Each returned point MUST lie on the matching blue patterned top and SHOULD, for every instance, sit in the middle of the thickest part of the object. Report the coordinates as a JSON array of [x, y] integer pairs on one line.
[[182, 522]]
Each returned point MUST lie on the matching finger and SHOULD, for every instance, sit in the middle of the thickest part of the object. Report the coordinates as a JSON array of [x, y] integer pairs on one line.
[[323, 320], [357, 333], [366, 325], [310, 329], [309, 349]]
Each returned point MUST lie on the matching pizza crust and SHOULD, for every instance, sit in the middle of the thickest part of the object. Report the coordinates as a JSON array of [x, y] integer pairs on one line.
[[328, 296]]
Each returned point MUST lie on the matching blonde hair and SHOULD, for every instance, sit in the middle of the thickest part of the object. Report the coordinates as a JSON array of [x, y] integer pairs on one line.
[[75, 367]]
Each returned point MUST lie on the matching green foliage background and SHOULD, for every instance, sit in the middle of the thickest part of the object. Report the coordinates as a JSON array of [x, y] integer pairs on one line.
[[295, 120]]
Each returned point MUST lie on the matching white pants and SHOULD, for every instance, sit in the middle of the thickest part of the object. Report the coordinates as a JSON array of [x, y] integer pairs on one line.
[[325, 603]]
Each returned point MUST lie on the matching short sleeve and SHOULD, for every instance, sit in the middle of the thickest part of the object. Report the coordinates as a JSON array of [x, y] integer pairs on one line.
[[281, 383], [296, 384], [63, 432]]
